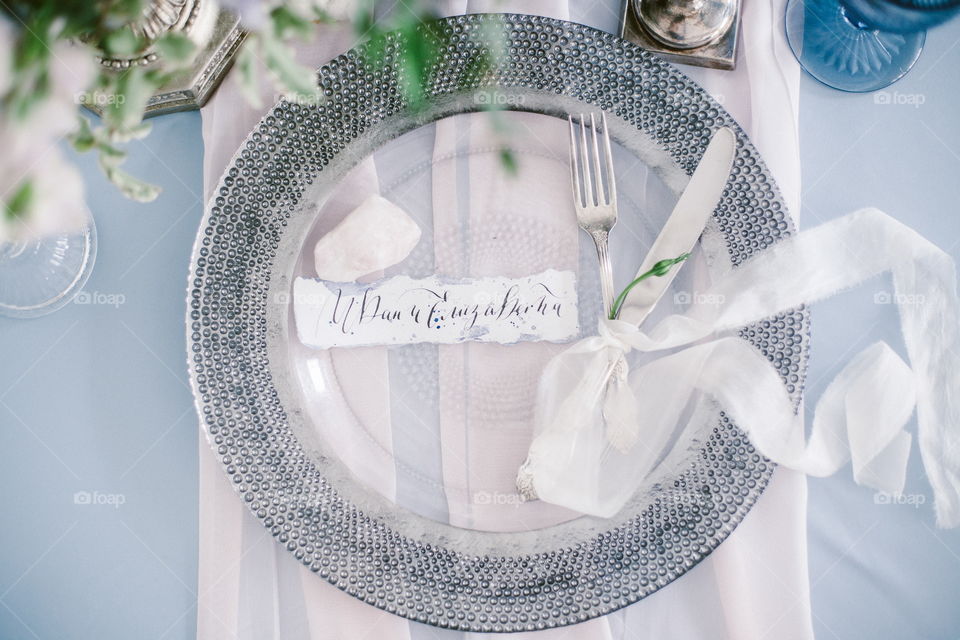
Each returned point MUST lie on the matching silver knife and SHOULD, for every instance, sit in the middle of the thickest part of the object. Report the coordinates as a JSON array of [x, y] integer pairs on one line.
[[682, 230]]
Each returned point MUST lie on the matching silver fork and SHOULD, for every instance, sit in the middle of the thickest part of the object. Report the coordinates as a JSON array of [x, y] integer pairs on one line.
[[595, 194]]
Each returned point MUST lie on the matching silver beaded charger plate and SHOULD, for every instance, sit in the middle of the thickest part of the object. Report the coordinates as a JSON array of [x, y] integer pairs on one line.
[[253, 240]]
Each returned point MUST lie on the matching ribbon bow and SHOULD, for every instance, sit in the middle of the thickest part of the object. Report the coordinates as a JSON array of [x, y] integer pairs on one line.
[[602, 428]]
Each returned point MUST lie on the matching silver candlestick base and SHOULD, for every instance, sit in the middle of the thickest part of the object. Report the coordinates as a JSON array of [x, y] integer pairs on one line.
[[217, 36], [697, 32]]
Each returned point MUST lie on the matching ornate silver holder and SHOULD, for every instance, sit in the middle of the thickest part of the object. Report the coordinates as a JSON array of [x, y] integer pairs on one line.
[[215, 32], [718, 53]]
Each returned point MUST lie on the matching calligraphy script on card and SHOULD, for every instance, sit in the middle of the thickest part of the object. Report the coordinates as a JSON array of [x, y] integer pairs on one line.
[[404, 310]]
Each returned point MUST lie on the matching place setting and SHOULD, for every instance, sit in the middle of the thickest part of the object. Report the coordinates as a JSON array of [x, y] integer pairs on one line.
[[557, 456], [500, 322]]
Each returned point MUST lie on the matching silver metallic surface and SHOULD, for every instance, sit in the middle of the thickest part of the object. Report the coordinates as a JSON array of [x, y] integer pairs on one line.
[[595, 193], [215, 33], [684, 226], [238, 326], [719, 53], [686, 24]]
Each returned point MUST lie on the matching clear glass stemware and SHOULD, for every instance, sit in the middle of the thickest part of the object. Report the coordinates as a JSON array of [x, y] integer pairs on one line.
[[42, 275]]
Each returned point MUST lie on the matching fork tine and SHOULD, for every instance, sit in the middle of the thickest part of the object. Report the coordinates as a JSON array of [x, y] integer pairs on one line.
[[611, 178], [574, 169], [601, 197], [585, 164]]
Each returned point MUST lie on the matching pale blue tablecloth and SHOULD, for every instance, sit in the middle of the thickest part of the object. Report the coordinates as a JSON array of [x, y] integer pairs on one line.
[[95, 397]]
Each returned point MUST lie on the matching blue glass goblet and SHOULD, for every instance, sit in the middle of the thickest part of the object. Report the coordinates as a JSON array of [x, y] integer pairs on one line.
[[861, 45]]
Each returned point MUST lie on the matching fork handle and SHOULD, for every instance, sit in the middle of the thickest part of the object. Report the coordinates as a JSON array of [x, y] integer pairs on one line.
[[606, 271]]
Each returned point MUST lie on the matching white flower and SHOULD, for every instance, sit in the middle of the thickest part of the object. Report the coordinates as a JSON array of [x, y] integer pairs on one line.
[[32, 143], [57, 204]]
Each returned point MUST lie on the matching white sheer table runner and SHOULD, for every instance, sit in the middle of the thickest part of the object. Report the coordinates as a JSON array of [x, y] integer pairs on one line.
[[754, 585]]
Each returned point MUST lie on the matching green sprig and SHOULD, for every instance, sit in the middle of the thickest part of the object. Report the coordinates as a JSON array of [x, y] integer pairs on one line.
[[661, 268]]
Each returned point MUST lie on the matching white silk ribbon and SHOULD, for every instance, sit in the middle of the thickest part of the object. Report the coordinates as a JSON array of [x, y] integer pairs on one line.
[[601, 429]]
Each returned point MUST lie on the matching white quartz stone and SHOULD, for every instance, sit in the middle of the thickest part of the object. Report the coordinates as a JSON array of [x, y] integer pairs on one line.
[[376, 235]]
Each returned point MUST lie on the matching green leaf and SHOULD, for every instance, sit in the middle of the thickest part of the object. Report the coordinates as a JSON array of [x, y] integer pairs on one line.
[[288, 24], [364, 20], [83, 139], [133, 90], [131, 187], [122, 42], [27, 95], [175, 48], [18, 205], [158, 76], [661, 268], [419, 52], [418, 47], [32, 48], [508, 160], [293, 77], [137, 132], [119, 11], [110, 156]]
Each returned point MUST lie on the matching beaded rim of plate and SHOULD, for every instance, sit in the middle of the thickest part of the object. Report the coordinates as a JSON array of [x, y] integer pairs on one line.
[[393, 559]]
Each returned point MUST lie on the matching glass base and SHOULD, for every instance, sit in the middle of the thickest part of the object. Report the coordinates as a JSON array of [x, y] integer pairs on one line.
[[846, 55], [40, 276]]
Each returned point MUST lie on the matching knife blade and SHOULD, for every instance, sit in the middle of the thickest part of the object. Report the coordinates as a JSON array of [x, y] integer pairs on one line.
[[685, 224]]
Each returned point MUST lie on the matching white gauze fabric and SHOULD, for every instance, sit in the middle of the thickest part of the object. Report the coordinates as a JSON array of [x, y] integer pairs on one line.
[[861, 415]]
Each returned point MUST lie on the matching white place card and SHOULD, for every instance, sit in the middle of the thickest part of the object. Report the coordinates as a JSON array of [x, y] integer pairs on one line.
[[404, 310]]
